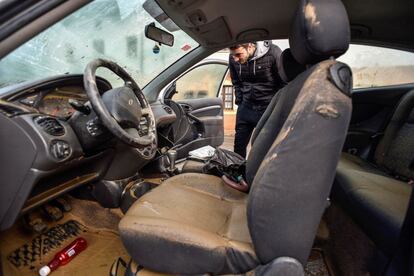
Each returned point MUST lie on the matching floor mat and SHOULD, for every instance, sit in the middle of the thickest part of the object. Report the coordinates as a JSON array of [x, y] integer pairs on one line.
[[23, 253], [93, 215], [317, 265]]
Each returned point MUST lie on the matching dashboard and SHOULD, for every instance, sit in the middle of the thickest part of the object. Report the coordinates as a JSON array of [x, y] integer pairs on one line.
[[55, 102], [46, 148]]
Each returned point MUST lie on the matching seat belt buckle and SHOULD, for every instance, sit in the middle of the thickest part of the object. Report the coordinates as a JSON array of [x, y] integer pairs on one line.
[[237, 183]]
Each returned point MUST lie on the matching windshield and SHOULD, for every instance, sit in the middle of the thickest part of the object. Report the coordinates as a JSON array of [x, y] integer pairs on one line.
[[109, 29]]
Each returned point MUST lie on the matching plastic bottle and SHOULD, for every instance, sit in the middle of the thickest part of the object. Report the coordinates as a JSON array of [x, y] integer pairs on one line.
[[65, 256]]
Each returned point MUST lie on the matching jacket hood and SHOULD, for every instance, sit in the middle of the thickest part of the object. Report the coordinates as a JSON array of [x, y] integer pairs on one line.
[[262, 47]]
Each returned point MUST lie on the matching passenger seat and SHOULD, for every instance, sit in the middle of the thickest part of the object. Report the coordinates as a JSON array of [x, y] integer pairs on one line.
[[376, 195]]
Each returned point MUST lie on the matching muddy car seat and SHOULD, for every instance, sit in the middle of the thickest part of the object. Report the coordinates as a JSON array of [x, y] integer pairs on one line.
[[376, 195], [194, 224]]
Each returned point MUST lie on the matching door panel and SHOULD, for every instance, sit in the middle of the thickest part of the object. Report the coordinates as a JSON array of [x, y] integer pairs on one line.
[[380, 77], [194, 98], [203, 107], [205, 117], [372, 110]]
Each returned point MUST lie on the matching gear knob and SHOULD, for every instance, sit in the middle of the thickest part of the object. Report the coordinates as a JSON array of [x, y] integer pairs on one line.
[[172, 157]]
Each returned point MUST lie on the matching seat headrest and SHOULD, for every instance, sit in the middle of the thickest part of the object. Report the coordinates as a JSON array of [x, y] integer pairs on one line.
[[290, 67], [320, 30]]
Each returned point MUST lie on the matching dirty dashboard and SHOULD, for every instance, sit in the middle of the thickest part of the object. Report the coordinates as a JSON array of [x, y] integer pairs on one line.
[[49, 147], [56, 102]]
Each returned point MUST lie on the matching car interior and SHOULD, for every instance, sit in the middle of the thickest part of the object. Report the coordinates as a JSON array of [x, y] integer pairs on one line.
[[103, 153]]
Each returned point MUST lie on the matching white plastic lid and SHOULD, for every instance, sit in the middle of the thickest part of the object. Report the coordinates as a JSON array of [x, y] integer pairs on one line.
[[44, 271]]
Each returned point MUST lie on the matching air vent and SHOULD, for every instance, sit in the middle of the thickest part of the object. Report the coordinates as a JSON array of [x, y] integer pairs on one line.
[[50, 125]]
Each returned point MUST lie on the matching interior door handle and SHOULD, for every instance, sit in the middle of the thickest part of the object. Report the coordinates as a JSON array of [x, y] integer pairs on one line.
[[194, 118], [187, 108]]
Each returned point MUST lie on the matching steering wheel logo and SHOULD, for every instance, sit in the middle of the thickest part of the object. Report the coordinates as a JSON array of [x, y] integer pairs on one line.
[[130, 102]]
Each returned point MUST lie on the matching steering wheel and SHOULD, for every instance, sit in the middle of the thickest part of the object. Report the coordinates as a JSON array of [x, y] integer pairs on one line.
[[124, 111]]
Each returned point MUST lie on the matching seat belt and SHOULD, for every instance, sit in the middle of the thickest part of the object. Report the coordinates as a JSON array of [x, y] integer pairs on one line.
[[402, 260]]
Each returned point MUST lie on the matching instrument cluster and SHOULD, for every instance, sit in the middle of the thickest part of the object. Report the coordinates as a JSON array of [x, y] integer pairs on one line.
[[56, 102]]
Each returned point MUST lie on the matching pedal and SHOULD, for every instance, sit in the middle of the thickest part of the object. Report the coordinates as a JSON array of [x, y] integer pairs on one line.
[[62, 204], [52, 212], [34, 223]]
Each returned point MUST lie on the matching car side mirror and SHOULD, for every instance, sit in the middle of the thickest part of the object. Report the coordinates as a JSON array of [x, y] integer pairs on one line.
[[158, 35]]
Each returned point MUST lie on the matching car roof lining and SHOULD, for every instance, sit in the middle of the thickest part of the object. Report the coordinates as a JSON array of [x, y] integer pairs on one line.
[[381, 22]]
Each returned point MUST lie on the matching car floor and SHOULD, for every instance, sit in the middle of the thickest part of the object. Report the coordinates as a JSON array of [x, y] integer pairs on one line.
[[349, 248], [317, 265], [23, 252]]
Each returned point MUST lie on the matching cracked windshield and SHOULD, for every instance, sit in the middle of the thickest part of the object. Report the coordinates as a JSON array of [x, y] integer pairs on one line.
[[106, 29]]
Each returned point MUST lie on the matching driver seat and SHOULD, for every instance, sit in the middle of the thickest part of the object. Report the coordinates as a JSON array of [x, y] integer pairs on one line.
[[194, 224]]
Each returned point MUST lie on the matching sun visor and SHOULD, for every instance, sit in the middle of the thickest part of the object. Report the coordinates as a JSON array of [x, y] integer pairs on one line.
[[151, 7]]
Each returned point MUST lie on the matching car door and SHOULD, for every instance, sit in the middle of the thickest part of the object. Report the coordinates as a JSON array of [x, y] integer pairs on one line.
[[381, 77], [194, 97]]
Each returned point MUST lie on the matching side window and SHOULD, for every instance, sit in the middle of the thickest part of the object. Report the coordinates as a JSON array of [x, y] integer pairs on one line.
[[376, 66], [201, 82]]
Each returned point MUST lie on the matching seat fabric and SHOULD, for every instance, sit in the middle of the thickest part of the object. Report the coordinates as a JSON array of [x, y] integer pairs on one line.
[[378, 203], [190, 217], [395, 151], [193, 166], [289, 191], [375, 200], [352, 162]]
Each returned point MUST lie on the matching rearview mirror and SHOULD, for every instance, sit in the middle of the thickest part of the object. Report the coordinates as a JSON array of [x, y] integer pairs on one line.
[[158, 35]]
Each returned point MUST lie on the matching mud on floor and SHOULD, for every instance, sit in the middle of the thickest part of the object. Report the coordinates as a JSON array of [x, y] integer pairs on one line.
[[23, 253], [317, 264]]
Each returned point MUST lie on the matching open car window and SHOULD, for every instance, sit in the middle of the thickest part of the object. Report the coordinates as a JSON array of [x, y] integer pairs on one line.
[[109, 29], [201, 82]]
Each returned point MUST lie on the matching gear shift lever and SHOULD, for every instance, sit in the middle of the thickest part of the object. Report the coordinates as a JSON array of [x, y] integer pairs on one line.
[[172, 157]]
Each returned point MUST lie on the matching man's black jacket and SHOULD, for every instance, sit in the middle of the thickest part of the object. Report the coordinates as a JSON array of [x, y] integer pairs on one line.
[[258, 80]]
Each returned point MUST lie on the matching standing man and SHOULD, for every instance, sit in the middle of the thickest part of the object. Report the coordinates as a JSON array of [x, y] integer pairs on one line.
[[254, 74]]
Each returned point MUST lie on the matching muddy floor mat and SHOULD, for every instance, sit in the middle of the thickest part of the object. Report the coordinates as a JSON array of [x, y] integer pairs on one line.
[[93, 215], [24, 254], [317, 264]]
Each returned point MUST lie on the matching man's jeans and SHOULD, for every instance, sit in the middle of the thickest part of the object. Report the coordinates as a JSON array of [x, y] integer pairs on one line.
[[246, 120]]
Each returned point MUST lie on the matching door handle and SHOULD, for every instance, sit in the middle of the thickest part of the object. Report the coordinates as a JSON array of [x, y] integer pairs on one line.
[[187, 108]]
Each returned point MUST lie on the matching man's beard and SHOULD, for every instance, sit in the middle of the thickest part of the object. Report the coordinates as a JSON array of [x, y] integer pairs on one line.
[[250, 55]]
